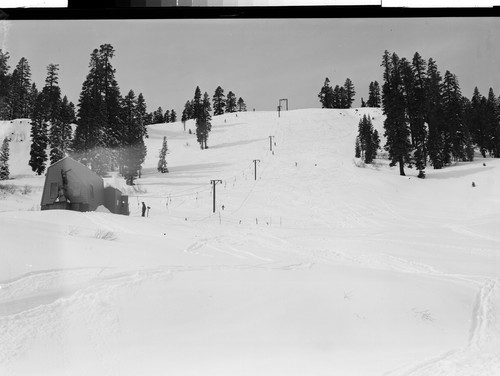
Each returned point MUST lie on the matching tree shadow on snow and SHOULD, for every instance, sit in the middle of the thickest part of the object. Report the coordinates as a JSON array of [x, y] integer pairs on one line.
[[238, 143], [450, 173]]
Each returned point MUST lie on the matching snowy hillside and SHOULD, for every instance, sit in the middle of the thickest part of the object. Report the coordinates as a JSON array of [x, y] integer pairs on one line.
[[316, 267]]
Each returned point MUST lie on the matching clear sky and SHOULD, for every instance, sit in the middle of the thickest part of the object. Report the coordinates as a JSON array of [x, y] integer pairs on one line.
[[260, 60]]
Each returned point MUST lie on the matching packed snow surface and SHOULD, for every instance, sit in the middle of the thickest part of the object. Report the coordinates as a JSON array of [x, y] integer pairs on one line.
[[312, 263]]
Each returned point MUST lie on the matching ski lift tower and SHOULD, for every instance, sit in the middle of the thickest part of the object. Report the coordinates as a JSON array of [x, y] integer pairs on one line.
[[286, 103], [280, 106]]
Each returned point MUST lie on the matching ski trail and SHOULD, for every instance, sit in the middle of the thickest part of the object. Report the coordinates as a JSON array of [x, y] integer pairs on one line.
[[480, 355]]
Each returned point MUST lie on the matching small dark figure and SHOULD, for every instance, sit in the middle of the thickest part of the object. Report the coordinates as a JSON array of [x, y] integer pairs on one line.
[[473, 184], [143, 209], [484, 164], [222, 207]]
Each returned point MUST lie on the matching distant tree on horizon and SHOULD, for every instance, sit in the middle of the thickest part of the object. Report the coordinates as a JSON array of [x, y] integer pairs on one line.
[[219, 101], [173, 116], [374, 99], [326, 95], [231, 104], [242, 107], [158, 117], [349, 93]]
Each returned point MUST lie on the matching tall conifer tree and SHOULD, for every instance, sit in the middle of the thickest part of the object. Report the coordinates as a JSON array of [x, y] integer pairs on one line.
[[397, 132], [349, 93], [219, 101], [39, 138]]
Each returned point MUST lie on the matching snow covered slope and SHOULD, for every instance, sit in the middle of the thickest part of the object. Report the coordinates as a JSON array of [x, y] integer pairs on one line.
[[311, 265]]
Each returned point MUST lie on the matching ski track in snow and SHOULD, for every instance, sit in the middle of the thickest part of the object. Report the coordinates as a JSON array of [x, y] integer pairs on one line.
[[480, 356], [477, 356]]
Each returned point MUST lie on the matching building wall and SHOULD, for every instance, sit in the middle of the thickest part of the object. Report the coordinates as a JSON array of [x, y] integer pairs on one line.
[[85, 188]]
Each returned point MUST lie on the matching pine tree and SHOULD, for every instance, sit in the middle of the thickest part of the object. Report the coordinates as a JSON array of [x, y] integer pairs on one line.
[[231, 102], [477, 121], [397, 132], [162, 163], [219, 101], [132, 150], [112, 98], [469, 143], [342, 100], [142, 109], [434, 115], [375, 144], [173, 116], [186, 114], [51, 97], [158, 117], [363, 103], [5, 82], [196, 104], [357, 148], [20, 90], [241, 105], [373, 95], [418, 112], [203, 124], [99, 132], [60, 134], [39, 139], [454, 132], [336, 101], [32, 95], [367, 140], [492, 123], [326, 95], [413, 100], [166, 117], [4, 160], [89, 142], [349, 93]]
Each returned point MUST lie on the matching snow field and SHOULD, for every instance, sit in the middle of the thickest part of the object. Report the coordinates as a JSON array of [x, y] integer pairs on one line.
[[317, 267]]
